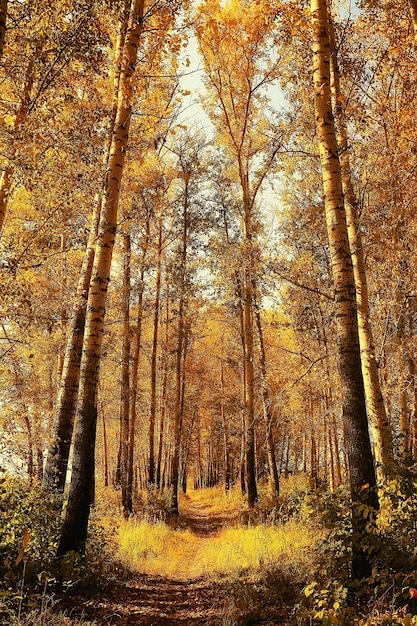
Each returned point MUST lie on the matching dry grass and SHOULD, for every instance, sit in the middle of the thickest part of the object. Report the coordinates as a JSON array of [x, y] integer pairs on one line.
[[48, 618], [216, 500], [155, 548]]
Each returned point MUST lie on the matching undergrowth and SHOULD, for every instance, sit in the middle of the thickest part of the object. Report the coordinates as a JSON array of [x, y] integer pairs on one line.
[[31, 576], [285, 562], [389, 595]]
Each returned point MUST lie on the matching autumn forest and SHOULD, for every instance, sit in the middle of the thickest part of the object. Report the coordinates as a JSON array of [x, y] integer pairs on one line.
[[208, 303]]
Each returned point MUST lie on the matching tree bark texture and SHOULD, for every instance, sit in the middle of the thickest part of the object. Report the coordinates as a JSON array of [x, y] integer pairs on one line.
[[65, 407], [74, 531], [362, 471]]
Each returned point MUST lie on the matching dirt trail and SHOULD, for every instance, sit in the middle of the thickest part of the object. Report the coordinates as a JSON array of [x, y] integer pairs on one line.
[[158, 601]]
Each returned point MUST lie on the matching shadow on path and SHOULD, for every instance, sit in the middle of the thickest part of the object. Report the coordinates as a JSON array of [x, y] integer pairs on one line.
[[157, 601]]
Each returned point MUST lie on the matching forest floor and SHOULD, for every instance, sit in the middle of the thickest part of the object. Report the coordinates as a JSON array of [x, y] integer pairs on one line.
[[149, 599]]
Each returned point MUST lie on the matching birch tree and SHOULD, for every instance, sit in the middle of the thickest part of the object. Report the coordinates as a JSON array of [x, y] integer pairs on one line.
[[383, 441], [65, 406], [361, 465], [74, 531]]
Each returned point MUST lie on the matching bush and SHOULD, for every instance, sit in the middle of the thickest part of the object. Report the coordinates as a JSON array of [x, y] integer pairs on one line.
[[389, 596], [29, 531], [30, 523]]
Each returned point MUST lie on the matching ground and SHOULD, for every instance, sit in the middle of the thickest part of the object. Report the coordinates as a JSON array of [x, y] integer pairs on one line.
[[157, 601]]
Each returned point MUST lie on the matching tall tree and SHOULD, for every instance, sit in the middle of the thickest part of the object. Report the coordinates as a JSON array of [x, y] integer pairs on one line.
[[182, 341], [266, 403], [361, 465], [125, 375], [136, 362], [383, 441], [65, 406], [152, 420], [74, 531], [186, 228]]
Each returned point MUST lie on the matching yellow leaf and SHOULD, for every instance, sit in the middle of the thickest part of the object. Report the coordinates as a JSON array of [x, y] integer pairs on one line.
[[25, 542]]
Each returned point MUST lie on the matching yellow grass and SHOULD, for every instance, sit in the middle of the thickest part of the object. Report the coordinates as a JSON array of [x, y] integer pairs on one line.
[[216, 500], [154, 548]]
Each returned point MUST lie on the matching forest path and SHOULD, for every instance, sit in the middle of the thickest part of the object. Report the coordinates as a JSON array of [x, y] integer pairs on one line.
[[159, 601], [203, 519], [153, 600]]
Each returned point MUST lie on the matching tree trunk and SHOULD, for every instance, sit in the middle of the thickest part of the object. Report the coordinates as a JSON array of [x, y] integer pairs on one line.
[[331, 459], [379, 421], [287, 457], [226, 453], [135, 374], [272, 463], [362, 471], [151, 475], [249, 398], [30, 460], [248, 359], [181, 344], [314, 474], [242, 464], [338, 468], [105, 447], [63, 322], [65, 407], [163, 398], [125, 374], [74, 531]]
